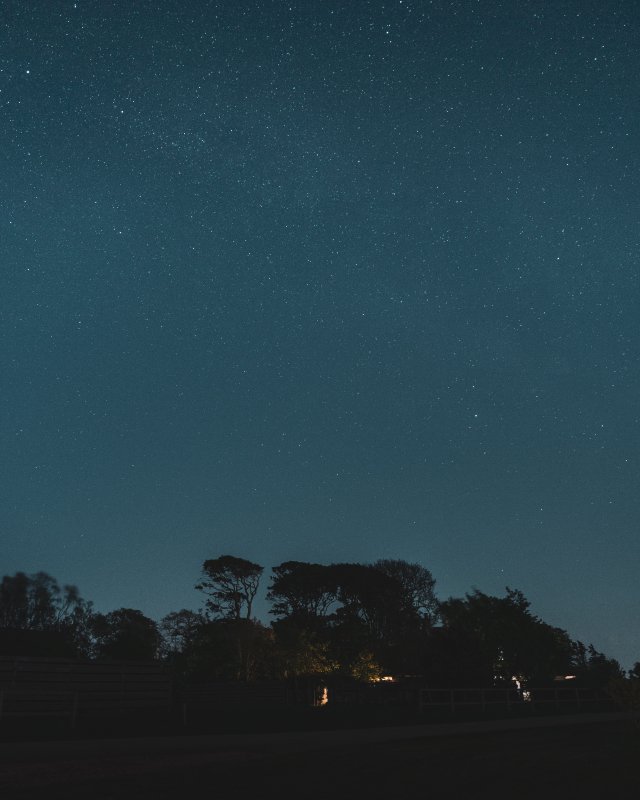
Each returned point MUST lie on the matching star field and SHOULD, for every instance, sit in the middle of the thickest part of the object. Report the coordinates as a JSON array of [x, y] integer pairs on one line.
[[323, 281]]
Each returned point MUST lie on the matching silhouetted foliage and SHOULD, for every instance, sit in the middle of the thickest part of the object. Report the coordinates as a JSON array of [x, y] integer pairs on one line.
[[302, 591], [348, 620], [454, 657], [304, 598], [229, 649], [178, 630], [348, 614], [125, 635], [302, 649], [231, 585], [417, 588], [593, 669], [370, 596], [625, 693], [505, 638], [38, 617]]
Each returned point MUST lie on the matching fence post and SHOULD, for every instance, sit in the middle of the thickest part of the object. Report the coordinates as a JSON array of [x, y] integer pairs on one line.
[[74, 710], [121, 690]]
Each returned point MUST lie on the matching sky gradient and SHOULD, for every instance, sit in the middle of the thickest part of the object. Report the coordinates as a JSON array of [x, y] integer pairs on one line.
[[326, 281]]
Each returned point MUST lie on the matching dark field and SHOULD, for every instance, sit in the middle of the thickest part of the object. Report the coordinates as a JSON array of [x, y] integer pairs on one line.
[[587, 760]]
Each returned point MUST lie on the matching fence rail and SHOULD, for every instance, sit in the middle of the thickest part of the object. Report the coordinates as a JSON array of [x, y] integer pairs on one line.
[[34, 703], [62, 687], [198, 700], [457, 699], [39, 686]]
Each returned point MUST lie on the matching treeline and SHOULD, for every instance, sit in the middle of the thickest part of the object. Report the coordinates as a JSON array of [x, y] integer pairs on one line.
[[362, 621]]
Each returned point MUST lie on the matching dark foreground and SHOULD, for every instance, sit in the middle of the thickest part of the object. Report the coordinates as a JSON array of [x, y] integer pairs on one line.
[[587, 760]]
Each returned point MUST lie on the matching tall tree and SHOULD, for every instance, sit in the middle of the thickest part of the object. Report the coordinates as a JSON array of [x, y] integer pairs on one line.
[[369, 595], [418, 587], [300, 590], [36, 602], [353, 613], [229, 649], [231, 585], [593, 668], [39, 617], [126, 635], [367, 624], [178, 630], [304, 596], [504, 639]]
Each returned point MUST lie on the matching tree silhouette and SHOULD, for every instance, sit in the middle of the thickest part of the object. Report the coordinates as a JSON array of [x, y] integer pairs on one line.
[[38, 616], [418, 587], [126, 634], [231, 585], [504, 639], [302, 591]]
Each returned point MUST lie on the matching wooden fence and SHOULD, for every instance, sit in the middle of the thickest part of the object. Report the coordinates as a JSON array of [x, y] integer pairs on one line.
[[508, 698], [62, 687], [200, 700]]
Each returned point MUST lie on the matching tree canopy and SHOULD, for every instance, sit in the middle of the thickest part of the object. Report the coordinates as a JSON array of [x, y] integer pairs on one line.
[[38, 616], [231, 585], [126, 635], [341, 619]]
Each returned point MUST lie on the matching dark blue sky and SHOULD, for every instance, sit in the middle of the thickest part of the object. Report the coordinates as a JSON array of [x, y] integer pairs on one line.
[[324, 281]]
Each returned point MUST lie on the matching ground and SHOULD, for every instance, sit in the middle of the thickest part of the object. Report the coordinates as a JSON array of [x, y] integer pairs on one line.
[[587, 760]]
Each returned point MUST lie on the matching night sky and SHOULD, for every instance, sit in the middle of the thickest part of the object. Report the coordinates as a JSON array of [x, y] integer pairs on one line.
[[325, 281]]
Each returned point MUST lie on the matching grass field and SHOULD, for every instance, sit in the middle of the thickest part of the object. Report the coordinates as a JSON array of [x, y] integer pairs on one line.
[[589, 760]]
